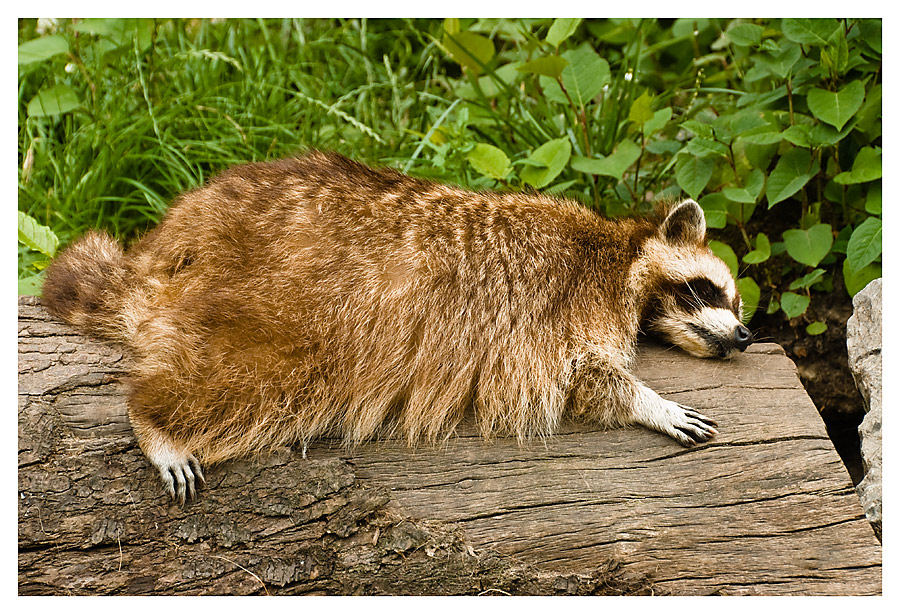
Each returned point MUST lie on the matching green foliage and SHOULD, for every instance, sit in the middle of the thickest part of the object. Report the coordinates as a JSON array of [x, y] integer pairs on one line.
[[35, 236], [724, 251], [809, 246], [560, 30], [794, 304], [489, 161], [772, 125], [546, 162], [750, 292], [38, 239], [816, 328]]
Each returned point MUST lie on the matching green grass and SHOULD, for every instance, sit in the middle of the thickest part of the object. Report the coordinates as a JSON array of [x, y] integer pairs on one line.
[[203, 96]]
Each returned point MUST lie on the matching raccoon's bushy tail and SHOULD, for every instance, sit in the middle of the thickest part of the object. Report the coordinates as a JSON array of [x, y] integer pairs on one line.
[[86, 285]]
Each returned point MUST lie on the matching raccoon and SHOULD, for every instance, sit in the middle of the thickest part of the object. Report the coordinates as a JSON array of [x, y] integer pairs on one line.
[[316, 296]]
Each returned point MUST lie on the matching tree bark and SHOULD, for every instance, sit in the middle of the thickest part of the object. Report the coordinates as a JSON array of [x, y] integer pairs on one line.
[[766, 508]]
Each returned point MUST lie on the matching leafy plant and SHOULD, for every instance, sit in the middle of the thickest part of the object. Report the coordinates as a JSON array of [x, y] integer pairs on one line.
[[38, 239], [772, 124]]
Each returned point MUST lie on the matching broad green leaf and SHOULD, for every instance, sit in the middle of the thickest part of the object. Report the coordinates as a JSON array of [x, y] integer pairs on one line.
[[868, 118], [561, 29], [550, 66], [31, 286], [773, 306], [767, 137], [665, 147], [701, 147], [54, 100], [745, 34], [809, 31], [816, 328], [489, 160], [866, 167], [546, 162], [727, 254], [43, 48], [692, 174], [552, 91], [585, 75], [823, 134], [747, 195], [732, 125], [613, 165], [469, 49], [794, 305], [780, 63], [761, 253], [754, 183], [658, 121], [641, 111], [808, 246], [798, 135], [836, 108], [739, 195], [807, 280], [699, 128], [873, 199], [865, 244], [870, 32], [793, 170], [36, 236], [715, 208], [856, 281], [749, 290]]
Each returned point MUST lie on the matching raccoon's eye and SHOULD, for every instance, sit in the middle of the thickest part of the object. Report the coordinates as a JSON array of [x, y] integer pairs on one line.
[[700, 292]]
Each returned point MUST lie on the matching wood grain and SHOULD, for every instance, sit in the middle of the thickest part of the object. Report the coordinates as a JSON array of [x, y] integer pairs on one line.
[[765, 508]]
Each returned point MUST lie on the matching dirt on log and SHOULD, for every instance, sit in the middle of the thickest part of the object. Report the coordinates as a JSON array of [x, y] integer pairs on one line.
[[765, 508]]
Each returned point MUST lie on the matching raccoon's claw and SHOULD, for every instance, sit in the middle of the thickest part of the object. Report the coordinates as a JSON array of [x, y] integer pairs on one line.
[[684, 424], [181, 478], [693, 427]]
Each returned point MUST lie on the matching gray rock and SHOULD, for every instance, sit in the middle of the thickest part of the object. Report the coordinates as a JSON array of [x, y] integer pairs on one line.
[[864, 352]]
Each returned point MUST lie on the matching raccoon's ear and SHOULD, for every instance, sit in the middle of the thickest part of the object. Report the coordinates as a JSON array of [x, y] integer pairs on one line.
[[684, 224]]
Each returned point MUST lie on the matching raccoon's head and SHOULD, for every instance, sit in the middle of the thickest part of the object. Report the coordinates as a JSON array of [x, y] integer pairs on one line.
[[693, 300]]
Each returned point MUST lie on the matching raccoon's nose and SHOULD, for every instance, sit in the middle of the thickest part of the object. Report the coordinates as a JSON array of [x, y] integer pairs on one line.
[[742, 337]]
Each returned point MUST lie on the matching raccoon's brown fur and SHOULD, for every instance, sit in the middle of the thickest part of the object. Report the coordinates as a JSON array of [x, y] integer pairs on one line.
[[315, 295]]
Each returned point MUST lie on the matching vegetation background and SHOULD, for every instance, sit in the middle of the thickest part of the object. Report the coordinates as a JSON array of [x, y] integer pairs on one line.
[[773, 125]]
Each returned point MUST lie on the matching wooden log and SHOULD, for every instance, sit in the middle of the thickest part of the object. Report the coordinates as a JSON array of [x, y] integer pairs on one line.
[[765, 508]]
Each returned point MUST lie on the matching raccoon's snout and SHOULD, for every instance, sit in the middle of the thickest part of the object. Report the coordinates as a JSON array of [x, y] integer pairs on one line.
[[742, 337]]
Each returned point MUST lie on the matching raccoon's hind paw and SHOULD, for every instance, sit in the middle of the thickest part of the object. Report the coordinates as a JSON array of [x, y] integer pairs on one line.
[[181, 476]]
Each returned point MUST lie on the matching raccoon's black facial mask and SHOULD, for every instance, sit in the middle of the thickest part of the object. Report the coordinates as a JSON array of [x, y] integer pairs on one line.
[[698, 316]]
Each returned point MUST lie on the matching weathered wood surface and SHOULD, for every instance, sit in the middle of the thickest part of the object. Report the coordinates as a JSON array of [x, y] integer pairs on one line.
[[765, 508]]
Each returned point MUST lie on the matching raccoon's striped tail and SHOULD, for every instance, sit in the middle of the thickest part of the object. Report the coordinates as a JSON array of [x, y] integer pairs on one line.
[[86, 285]]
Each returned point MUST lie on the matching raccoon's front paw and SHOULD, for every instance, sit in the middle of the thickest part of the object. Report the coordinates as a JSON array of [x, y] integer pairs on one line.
[[181, 476], [684, 424], [689, 427]]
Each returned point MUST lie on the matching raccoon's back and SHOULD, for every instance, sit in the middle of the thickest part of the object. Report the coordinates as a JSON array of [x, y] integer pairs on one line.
[[321, 232]]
